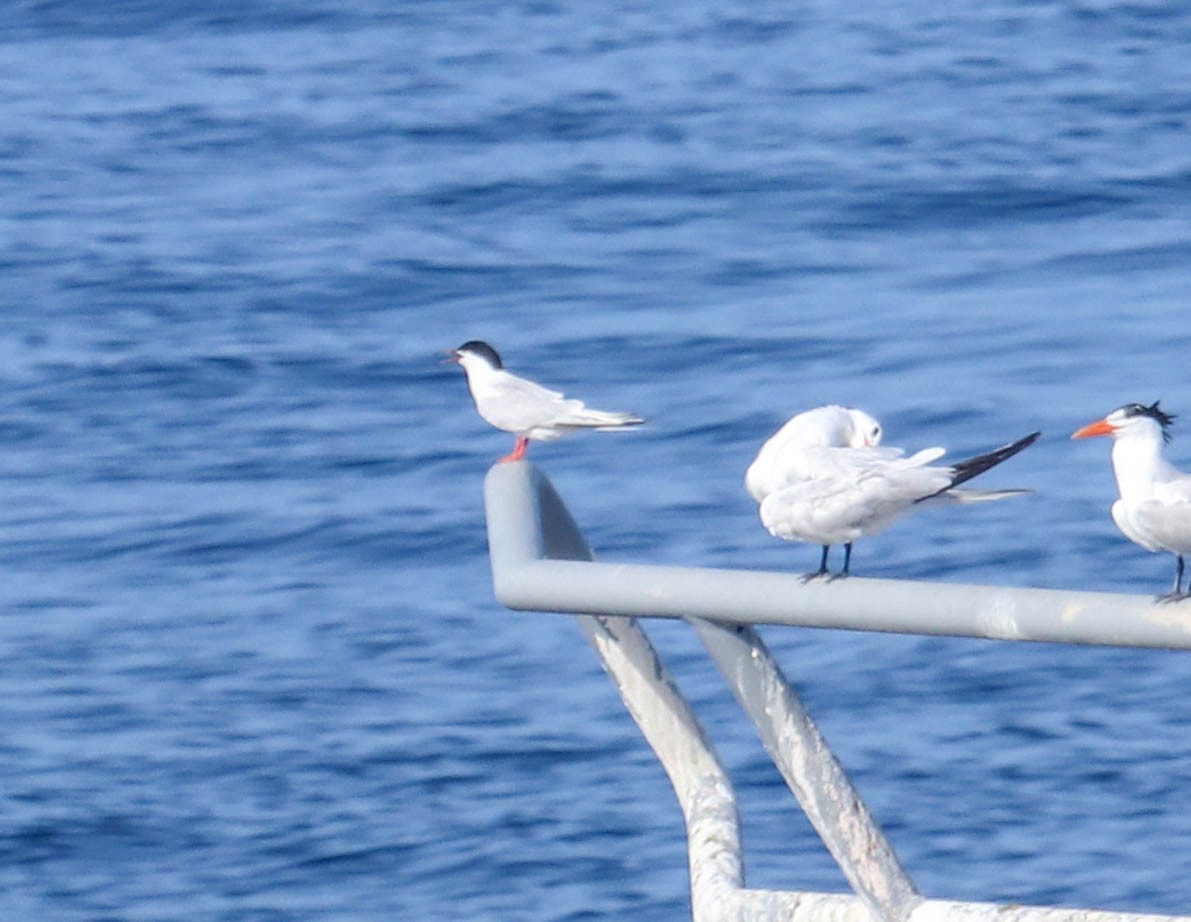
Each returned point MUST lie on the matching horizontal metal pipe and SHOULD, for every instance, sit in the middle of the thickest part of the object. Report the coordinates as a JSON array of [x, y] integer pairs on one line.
[[795, 906], [531, 571]]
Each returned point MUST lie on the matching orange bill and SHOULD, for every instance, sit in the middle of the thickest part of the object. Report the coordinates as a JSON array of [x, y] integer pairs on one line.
[[1096, 428]]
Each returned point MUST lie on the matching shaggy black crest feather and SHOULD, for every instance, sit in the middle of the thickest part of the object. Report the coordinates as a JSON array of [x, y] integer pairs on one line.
[[1154, 412]]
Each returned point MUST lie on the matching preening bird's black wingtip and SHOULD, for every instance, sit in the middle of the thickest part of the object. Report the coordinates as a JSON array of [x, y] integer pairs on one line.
[[1008, 451], [969, 468], [963, 471]]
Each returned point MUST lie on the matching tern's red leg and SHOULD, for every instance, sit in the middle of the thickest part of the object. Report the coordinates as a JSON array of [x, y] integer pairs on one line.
[[518, 451]]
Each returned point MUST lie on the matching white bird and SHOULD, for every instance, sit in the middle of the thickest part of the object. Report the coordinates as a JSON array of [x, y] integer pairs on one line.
[[524, 408], [1155, 505], [825, 479], [778, 463]]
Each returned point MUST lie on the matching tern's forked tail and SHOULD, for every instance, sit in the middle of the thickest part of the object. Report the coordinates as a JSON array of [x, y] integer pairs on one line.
[[601, 420], [979, 496], [965, 470]]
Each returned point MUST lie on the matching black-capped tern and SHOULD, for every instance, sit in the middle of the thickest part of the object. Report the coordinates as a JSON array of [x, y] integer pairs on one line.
[[524, 408]]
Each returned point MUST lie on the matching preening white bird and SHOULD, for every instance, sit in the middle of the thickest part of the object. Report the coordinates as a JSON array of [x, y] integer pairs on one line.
[[524, 408], [1154, 509], [824, 478], [780, 462]]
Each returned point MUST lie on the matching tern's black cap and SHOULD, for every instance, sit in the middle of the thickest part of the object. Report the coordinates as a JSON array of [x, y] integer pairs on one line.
[[1154, 412], [479, 347]]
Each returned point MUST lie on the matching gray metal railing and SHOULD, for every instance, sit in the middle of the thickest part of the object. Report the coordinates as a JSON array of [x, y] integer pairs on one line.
[[540, 562]]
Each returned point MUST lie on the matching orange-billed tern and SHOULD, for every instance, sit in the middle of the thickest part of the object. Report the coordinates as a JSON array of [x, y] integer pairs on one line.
[[1155, 505]]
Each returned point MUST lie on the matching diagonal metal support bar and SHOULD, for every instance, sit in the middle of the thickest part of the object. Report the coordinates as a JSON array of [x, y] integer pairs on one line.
[[810, 768], [700, 783], [666, 720], [824, 791], [540, 561]]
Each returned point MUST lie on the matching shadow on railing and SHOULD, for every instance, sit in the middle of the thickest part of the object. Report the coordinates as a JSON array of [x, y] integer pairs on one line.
[[540, 562]]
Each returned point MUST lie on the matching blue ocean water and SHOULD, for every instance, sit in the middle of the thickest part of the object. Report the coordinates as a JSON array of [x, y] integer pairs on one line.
[[253, 668]]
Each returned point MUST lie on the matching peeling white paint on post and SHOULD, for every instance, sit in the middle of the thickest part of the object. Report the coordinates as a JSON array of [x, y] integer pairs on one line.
[[541, 562], [700, 783], [665, 718], [772, 905], [949, 911], [805, 760]]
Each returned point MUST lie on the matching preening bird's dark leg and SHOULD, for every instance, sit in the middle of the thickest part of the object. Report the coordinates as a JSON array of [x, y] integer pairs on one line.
[[846, 571], [822, 571], [1176, 593]]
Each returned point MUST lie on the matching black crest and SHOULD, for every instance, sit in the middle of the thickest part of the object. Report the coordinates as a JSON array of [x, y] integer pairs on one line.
[[1154, 412], [479, 347]]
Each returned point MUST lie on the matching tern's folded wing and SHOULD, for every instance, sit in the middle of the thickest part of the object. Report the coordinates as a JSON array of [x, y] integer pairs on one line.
[[517, 405], [1161, 525], [863, 500]]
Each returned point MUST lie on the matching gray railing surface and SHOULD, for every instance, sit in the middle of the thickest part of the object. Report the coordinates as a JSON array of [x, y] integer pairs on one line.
[[540, 562]]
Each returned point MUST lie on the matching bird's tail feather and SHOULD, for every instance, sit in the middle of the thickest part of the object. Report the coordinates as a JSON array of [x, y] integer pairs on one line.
[[599, 420], [971, 467], [983, 496], [963, 471]]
